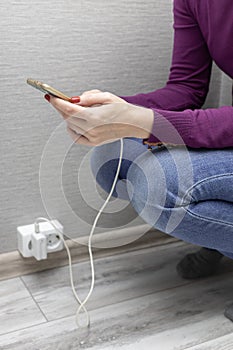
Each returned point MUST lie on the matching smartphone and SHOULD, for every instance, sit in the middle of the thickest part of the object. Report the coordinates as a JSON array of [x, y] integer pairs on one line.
[[48, 89]]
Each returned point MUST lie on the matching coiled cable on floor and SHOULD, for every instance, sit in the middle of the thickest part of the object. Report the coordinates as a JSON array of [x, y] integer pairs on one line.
[[36, 223]]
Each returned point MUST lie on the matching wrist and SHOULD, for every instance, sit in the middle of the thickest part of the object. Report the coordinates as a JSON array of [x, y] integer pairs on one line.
[[142, 120]]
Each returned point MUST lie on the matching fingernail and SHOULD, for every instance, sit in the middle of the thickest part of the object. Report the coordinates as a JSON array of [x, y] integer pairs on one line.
[[75, 99], [47, 97]]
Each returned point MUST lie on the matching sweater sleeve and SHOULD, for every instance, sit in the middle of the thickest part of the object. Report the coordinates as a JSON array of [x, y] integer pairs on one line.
[[178, 118], [190, 71], [210, 128]]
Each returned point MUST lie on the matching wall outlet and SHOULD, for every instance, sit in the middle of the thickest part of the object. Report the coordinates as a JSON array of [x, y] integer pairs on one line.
[[39, 244]]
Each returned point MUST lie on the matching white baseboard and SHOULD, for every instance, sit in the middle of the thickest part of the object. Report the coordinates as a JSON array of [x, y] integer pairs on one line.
[[12, 264]]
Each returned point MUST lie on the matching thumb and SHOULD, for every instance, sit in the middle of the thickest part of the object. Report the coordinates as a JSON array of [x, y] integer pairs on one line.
[[88, 100]]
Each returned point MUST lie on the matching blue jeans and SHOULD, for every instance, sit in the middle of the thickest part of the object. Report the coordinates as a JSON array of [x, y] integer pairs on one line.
[[187, 193]]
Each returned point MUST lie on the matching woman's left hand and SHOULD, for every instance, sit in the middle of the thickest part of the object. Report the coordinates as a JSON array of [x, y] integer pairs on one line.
[[102, 117]]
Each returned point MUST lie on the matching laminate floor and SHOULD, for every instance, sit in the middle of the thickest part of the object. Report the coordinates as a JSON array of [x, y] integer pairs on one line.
[[139, 303]]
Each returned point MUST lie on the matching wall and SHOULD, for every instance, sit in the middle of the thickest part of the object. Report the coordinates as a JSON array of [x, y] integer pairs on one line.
[[119, 46]]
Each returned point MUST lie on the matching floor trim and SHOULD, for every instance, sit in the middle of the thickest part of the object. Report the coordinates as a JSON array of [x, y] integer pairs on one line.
[[12, 264]]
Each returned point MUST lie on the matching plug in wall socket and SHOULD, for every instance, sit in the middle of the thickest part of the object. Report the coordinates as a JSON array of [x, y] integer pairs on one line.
[[47, 240]]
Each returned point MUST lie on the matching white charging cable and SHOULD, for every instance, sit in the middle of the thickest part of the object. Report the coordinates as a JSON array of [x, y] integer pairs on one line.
[[36, 223]]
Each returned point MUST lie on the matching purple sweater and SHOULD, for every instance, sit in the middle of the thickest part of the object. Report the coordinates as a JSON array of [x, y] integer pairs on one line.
[[203, 33]]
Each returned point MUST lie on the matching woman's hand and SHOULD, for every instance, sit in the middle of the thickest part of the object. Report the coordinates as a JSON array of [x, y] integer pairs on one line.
[[102, 117]]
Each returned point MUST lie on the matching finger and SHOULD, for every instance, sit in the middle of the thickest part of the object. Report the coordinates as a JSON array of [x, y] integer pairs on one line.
[[72, 134], [76, 128], [79, 139], [98, 99], [66, 108], [95, 91], [84, 141], [81, 123], [82, 127]]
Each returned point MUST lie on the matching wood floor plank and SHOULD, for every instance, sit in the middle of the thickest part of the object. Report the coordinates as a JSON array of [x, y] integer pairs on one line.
[[191, 313], [222, 343], [17, 308], [118, 278], [181, 338]]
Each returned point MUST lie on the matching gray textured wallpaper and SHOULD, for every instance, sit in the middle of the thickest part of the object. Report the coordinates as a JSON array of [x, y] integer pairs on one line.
[[118, 46]]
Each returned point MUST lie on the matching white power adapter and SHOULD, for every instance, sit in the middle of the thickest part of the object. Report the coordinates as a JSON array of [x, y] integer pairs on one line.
[[41, 239], [39, 245]]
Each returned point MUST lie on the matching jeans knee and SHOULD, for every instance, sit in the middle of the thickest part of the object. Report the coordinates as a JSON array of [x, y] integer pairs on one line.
[[146, 189], [104, 163], [155, 195], [102, 167]]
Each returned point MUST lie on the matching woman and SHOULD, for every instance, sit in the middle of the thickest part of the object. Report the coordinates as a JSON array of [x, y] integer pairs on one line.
[[192, 201]]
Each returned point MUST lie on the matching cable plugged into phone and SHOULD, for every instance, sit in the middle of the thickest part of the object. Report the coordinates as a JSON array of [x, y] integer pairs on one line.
[[40, 239]]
